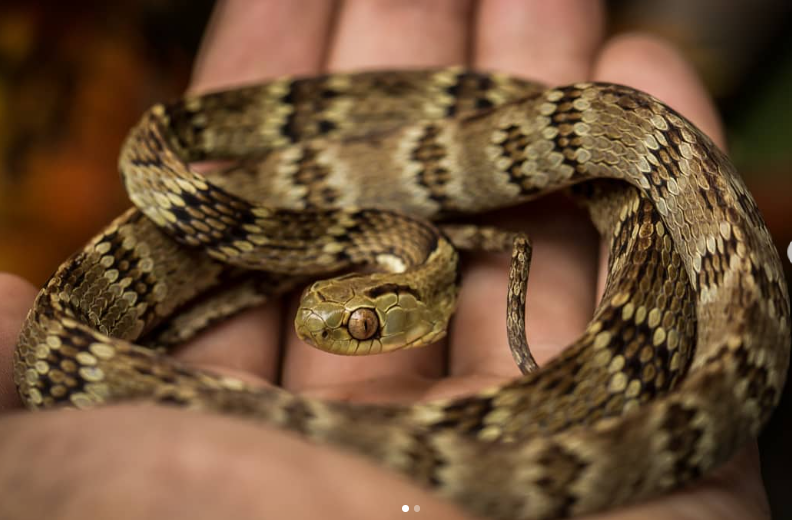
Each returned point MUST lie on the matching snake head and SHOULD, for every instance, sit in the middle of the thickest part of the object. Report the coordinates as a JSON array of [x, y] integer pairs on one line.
[[366, 314]]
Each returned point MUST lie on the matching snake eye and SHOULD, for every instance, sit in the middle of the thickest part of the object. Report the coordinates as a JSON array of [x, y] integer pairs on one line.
[[363, 323]]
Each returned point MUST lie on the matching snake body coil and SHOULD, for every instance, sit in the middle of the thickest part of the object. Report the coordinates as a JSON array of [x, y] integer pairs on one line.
[[683, 361]]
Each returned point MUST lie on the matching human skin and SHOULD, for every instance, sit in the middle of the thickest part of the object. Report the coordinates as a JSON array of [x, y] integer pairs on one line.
[[134, 461]]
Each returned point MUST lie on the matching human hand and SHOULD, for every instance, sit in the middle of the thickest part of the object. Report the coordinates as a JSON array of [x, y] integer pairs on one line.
[[166, 463]]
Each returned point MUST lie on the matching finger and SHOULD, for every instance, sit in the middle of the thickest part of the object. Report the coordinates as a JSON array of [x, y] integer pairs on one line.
[[383, 34], [16, 299], [245, 43], [245, 346], [400, 33], [648, 63], [249, 41], [551, 42]]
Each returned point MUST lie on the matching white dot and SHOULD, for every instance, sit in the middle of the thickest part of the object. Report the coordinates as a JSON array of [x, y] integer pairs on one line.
[[417, 508], [405, 508], [789, 251]]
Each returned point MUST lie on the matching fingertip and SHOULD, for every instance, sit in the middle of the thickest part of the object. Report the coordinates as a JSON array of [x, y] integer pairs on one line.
[[651, 64], [16, 299]]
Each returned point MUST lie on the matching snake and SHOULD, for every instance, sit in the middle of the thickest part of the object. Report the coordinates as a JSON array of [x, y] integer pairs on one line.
[[362, 188]]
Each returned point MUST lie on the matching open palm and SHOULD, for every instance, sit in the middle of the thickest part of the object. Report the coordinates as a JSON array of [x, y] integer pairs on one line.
[[129, 462]]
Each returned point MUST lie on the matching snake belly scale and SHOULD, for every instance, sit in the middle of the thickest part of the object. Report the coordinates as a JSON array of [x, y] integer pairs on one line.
[[682, 362]]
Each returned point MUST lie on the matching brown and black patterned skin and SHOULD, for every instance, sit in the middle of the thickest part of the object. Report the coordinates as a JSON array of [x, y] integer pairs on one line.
[[683, 361]]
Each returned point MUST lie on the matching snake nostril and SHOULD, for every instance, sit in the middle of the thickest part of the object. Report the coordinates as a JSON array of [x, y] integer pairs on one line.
[[325, 334]]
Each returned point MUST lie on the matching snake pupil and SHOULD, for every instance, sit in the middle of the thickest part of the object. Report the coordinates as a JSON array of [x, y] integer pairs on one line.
[[363, 324]]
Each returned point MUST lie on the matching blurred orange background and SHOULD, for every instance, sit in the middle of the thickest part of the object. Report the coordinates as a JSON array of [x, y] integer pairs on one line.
[[72, 82]]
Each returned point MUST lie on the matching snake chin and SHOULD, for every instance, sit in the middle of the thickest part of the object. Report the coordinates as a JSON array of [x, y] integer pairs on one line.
[[365, 315]]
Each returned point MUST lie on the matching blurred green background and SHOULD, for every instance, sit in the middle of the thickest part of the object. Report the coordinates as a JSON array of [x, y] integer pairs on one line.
[[74, 77]]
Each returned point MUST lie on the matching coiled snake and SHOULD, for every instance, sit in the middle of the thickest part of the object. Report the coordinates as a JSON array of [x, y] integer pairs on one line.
[[683, 361]]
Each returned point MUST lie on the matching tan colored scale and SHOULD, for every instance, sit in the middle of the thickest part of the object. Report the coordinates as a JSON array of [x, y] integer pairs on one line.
[[682, 362]]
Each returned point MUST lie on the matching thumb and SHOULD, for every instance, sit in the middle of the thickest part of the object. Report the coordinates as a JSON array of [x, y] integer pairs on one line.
[[16, 298]]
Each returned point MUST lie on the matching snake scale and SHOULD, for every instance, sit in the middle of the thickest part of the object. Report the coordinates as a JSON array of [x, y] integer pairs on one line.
[[683, 361]]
